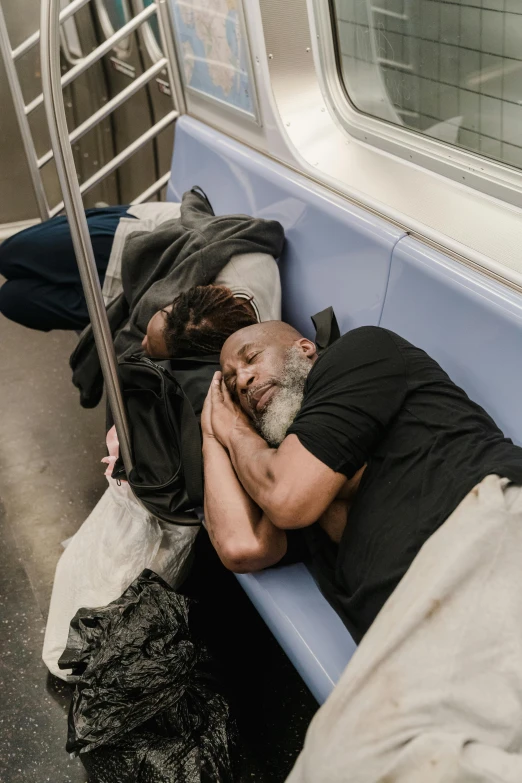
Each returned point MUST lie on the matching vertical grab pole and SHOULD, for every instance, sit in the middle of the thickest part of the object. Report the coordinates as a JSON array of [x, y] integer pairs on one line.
[[165, 30], [21, 116], [54, 107]]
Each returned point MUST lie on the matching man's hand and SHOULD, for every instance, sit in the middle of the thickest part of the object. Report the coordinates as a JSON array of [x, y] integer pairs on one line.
[[206, 416], [225, 415]]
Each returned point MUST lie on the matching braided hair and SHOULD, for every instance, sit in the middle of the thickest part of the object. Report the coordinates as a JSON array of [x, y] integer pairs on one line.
[[202, 318]]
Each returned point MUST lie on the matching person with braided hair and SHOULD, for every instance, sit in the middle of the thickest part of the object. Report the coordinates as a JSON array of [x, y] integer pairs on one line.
[[176, 280], [43, 289], [198, 321]]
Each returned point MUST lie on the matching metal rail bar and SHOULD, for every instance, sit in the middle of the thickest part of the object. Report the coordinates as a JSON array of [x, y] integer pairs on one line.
[[98, 53], [23, 123], [124, 155], [109, 107], [165, 29], [33, 39], [55, 110], [160, 183]]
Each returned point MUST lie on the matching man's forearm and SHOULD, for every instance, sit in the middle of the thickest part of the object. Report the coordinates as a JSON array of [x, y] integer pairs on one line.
[[254, 463], [243, 536], [279, 480], [290, 484]]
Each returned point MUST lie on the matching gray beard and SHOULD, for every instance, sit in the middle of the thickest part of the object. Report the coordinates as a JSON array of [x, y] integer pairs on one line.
[[287, 400]]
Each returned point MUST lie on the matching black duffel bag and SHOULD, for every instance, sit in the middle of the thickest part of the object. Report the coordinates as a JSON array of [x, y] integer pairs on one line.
[[163, 400]]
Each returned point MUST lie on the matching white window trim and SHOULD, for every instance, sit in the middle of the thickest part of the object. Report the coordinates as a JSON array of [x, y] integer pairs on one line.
[[153, 48], [494, 178], [304, 131], [124, 47]]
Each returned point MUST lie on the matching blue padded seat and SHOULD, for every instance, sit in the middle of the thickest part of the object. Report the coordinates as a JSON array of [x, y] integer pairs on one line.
[[372, 273], [303, 623], [335, 254], [469, 323]]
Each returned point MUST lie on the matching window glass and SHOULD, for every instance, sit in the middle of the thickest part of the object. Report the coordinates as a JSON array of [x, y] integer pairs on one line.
[[153, 24], [118, 13], [451, 69], [113, 15], [152, 34]]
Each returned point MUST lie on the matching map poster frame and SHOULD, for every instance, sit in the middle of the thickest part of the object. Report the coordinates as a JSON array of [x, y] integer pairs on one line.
[[252, 115]]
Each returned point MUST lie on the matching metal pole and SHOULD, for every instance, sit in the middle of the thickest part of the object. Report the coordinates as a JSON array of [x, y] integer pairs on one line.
[[97, 53], [129, 151], [33, 39], [23, 123], [165, 29], [109, 107], [124, 155], [160, 183], [53, 99]]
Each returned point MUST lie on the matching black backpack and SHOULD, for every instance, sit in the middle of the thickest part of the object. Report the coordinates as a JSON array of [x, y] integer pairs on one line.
[[163, 400]]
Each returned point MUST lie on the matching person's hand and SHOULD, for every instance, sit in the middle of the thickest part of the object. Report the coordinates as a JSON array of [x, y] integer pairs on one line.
[[225, 414], [113, 447], [206, 416]]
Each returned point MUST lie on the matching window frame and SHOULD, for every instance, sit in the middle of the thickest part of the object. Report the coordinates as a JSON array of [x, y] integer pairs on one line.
[[253, 117], [493, 178], [152, 46], [123, 48]]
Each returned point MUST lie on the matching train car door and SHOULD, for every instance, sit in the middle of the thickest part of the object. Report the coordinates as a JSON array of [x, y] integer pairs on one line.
[[159, 88], [83, 97], [135, 116]]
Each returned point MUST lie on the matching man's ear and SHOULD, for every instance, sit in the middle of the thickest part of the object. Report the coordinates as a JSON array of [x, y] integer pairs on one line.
[[308, 348]]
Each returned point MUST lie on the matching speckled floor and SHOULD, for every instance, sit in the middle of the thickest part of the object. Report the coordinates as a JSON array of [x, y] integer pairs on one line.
[[49, 481]]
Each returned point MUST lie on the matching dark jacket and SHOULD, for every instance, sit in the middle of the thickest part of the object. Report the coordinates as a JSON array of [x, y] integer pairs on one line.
[[159, 265]]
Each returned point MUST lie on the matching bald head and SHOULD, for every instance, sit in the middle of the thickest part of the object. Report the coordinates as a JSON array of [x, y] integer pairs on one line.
[[262, 361], [265, 333]]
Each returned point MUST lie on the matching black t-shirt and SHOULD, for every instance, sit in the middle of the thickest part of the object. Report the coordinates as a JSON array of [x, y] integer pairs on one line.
[[374, 398]]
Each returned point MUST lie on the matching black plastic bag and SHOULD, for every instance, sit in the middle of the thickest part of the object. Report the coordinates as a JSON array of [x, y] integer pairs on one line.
[[146, 708]]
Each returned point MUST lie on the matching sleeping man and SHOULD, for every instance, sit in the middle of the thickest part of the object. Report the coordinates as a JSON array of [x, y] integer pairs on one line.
[[408, 498]]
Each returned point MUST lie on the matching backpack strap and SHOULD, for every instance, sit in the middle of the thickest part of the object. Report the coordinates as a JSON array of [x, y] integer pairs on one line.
[[326, 328], [191, 453]]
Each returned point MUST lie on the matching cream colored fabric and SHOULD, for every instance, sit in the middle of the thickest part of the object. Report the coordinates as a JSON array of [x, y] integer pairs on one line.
[[253, 276], [147, 217], [434, 692]]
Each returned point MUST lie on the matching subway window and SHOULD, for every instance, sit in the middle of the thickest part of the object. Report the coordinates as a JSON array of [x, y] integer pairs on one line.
[[450, 69], [152, 34], [113, 16]]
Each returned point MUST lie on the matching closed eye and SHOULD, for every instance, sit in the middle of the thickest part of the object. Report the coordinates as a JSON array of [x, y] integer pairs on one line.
[[231, 385]]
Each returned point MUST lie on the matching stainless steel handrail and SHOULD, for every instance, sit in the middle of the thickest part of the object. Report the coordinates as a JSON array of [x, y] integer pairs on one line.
[[23, 123], [164, 24], [152, 190], [63, 155], [109, 107], [124, 155], [98, 53], [33, 39]]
